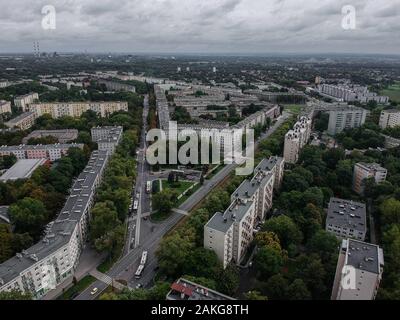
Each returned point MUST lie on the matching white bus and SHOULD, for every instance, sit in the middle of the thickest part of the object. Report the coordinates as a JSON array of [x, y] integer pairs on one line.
[[135, 205], [139, 271], [144, 258], [148, 186]]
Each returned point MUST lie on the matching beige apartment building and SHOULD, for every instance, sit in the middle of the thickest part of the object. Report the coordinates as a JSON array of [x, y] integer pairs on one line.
[[364, 171], [296, 139], [5, 106], [389, 118], [23, 121], [24, 101]]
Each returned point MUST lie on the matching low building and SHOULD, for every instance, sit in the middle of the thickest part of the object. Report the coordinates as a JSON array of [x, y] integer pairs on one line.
[[229, 234], [22, 169], [24, 101], [62, 135], [364, 171], [391, 142], [389, 118], [107, 138], [23, 121], [346, 219], [184, 290], [117, 86], [5, 107], [51, 152], [358, 272]]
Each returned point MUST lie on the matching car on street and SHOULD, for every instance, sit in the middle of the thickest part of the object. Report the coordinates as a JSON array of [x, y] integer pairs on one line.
[[94, 291], [139, 285]]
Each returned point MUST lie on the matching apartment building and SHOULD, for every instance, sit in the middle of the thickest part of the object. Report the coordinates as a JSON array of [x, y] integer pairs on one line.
[[54, 259], [117, 86], [346, 117], [229, 234], [51, 152], [23, 121], [184, 290], [107, 138], [359, 271], [346, 93], [296, 139], [5, 106], [24, 101], [364, 171], [75, 109], [4, 84], [391, 142], [389, 118], [62, 135], [346, 219]]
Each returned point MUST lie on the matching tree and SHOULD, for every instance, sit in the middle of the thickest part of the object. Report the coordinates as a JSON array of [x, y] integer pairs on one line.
[[202, 263], [285, 229], [255, 295], [28, 215], [165, 200], [390, 211], [298, 291], [324, 244], [268, 239], [15, 295], [228, 280], [276, 287], [6, 236], [104, 218], [268, 262]]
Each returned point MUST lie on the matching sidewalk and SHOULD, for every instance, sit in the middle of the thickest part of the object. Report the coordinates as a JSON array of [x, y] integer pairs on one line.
[[88, 261]]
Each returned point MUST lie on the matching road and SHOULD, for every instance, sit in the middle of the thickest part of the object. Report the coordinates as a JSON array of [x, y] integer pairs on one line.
[[151, 234]]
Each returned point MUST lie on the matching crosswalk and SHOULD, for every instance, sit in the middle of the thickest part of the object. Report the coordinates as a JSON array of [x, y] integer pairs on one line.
[[106, 279], [185, 213]]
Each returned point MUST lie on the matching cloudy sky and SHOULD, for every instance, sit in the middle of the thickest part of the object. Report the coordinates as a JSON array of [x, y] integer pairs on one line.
[[201, 26]]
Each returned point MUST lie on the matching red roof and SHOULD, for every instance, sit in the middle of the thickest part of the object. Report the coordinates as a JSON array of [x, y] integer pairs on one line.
[[182, 289]]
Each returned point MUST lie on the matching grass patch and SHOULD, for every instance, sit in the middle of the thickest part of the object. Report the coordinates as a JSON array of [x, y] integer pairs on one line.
[[393, 92], [80, 286], [294, 108], [216, 169], [180, 186], [188, 194]]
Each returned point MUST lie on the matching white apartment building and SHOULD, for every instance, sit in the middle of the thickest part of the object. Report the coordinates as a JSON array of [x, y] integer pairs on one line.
[[346, 117], [346, 219], [389, 118], [75, 109], [346, 93], [229, 234], [296, 139], [107, 138], [24, 101], [367, 262], [364, 171], [54, 259], [5, 106], [23, 121]]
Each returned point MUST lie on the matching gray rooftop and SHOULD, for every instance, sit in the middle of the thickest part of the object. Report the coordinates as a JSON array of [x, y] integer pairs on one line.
[[20, 117], [58, 232], [347, 214], [364, 256], [22, 169], [184, 289], [42, 146]]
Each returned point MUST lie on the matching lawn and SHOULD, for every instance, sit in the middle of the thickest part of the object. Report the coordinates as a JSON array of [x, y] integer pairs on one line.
[[180, 186], [393, 92], [81, 285], [294, 108]]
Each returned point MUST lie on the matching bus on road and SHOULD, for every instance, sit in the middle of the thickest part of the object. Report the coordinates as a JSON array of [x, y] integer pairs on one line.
[[135, 205], [139, 271], [144, 258], [148, 186]]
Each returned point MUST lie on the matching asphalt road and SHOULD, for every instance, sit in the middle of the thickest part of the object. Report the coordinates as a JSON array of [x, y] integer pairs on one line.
[[152, 234]]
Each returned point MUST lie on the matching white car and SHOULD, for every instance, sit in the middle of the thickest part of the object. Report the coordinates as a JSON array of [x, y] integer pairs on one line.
[[94, 291]]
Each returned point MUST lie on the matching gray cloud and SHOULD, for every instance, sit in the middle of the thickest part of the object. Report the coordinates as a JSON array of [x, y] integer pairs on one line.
[[201, 26]]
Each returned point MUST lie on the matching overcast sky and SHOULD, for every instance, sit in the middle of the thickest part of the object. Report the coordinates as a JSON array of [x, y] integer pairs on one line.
[[203, 26]]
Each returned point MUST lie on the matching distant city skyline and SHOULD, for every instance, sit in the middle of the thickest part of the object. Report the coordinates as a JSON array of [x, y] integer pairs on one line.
[[208, 26]]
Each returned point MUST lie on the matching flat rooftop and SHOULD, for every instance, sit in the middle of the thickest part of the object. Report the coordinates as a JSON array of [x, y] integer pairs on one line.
[[364, 256], [184, 289], [347, 214], [22, 169]]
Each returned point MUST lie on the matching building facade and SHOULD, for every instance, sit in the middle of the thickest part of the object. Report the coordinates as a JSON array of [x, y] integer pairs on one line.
[[24, 101], [5, 106], [229, 234], [364, 171], [389, 118], [346, 118], [296, 139], [23, 121], [107, 138], [359, 271]]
